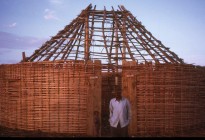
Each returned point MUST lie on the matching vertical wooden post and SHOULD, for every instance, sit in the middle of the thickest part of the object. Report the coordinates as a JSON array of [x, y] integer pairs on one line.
[[129, 91], [124, 39], [94, 99], [90, 102], [116, 46], [97, 95], [23, 56], [86, 37]]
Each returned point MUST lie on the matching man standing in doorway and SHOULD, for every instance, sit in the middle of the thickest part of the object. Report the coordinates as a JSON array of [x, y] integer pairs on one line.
[[120, 115]]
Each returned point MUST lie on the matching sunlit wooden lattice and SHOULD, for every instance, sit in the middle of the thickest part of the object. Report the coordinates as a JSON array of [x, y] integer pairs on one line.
[[109, 36]]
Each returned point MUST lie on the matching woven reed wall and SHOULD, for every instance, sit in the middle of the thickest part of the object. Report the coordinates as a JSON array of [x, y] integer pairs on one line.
[[51, 97], [167, 99]]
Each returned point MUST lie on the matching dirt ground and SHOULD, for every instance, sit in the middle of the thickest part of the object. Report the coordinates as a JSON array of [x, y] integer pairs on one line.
[[8, 132]]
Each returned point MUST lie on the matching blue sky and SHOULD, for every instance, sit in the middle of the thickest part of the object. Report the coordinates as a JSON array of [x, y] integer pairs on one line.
[[26, 24]]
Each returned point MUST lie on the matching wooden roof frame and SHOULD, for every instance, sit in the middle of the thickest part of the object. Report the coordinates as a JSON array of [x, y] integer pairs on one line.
[[110, 36]]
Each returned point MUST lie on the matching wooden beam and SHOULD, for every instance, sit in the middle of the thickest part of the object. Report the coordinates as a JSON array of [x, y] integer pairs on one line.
[[87, 46], [23, 56]]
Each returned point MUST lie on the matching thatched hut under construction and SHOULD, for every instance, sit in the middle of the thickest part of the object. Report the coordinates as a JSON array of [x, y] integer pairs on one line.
[[67, 83]]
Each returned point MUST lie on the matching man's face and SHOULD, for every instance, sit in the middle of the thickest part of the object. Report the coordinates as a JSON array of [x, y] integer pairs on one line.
[[118, 95]]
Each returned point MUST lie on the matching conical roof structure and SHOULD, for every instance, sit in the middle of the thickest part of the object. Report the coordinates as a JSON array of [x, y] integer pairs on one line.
[[109, 36]]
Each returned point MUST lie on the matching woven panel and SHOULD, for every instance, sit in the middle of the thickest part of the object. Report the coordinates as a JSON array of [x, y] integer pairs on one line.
[[169, 99], [51, 97]]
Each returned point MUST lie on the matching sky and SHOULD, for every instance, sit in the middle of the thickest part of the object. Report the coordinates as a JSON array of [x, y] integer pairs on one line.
[[26, 24]]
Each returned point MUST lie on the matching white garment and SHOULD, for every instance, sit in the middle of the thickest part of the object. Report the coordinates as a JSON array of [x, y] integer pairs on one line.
[[120, 111]]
